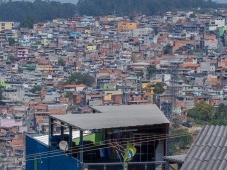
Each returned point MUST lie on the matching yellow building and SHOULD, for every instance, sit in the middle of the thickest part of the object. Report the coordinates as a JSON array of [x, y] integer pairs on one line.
[[127, 26], [46, 68], [109, 19], [91, 47], [87, 31], [45, 42], [6, 26], [149, 86]]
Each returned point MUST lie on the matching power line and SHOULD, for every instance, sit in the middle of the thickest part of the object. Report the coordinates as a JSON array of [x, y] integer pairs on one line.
[[141, 141], [134, 141], [72, 148], [106, 147], [89, 144], [109, 140]]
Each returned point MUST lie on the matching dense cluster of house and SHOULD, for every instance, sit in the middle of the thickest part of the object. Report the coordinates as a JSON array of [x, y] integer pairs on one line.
[[187, 50]]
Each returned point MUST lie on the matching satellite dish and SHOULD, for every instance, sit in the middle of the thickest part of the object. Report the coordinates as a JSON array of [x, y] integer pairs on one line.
[[63, 145]]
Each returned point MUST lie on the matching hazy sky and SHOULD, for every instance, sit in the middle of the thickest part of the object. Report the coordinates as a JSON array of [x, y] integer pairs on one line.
[[71, 1], [75, 1], [223, 1]]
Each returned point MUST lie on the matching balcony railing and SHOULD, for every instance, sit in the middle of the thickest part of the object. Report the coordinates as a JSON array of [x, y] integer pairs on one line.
[[156, 165]]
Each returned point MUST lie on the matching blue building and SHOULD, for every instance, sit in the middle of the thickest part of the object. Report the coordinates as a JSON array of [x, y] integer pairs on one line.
[[98, 140], [42, 157]]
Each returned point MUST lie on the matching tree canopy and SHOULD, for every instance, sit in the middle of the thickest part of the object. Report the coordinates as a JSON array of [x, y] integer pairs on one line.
[[25, 12], [139, 74], [158, 88], [206, 114], [68, 94], [28, 23], [1, 92], [11, 41], [40, 10], [133, 7], [61, 62], [151, 70], [178, 143], [167, 49], [202, 111], [80, 78], [36, 89], [220, 115]]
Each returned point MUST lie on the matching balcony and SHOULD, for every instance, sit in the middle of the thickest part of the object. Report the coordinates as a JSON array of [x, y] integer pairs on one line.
[[130, 166], [99, 141]]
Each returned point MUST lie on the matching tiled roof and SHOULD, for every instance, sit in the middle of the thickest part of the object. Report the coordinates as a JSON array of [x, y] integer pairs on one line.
[[74, 85], [209, 151], [185, 65]]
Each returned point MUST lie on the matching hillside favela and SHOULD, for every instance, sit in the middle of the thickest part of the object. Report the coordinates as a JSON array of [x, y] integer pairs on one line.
[[113, 85]]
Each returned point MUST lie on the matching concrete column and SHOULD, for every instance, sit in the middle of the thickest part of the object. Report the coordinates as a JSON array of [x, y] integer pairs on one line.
[[81, 150]]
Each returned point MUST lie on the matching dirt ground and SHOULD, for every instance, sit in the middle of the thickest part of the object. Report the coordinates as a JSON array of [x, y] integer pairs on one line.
[[194, 129]]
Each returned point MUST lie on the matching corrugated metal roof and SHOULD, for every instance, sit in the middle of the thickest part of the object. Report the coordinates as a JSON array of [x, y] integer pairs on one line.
[[209, 151], [116, 116]]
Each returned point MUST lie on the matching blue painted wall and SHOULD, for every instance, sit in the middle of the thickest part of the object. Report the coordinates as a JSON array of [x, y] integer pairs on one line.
[[53, 161]]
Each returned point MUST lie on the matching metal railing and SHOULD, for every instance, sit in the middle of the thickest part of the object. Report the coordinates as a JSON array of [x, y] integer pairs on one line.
[[155, 165]]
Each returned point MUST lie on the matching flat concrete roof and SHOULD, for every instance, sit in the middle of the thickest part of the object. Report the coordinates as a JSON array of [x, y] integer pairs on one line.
[[115, 117]]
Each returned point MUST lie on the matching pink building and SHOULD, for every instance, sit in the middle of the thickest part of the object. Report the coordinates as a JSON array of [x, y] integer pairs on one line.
[[22, 52], [10, 123]]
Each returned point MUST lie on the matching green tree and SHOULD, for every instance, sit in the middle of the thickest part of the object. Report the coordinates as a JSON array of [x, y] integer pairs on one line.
[[220, 115], [11, 41], [139, 74], [28, 23], [11, 58], [159, 88], [192, 15], [178, 143], [221, 112], [81, 79], [47, 10], [61, 62], [170, 27], [36, 89], [133, 7], [1, 93], [168, 49], [151, 70], [202, 111], [68, 94], [29, 12]]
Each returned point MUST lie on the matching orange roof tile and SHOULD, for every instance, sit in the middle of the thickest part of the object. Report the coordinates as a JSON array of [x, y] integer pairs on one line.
[[210, 37], [74, 85], [41, 106], [191, 65]]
